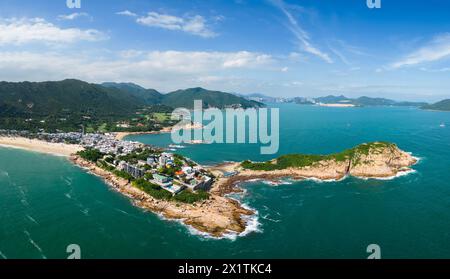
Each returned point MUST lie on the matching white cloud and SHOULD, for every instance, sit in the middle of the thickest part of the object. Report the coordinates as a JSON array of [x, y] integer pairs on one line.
[[72, 16], [437, 49], [127, 13], [164, 70], [294, 83], [340, 55], [440, 70], [301, 35], [21, 31], [195, 25]]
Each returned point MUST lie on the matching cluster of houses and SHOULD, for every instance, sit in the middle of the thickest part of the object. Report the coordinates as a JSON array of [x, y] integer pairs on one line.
[[105, 143], [108, 144], [186, 176]]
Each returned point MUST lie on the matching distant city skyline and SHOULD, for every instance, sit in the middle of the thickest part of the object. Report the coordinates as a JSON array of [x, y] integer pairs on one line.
[[279, 48]]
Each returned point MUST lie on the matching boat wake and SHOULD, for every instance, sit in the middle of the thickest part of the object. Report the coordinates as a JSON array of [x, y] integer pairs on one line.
[[3, 256]]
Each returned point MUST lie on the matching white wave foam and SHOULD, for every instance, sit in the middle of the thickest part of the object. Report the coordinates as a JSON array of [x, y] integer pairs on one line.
[[4, 173], [3, 256], [85, 211], [32, 219], [122, 211], [251, 221], [317, 180], [266, 217], [24, 202], [35, 245], [399, 174], [277, 182]]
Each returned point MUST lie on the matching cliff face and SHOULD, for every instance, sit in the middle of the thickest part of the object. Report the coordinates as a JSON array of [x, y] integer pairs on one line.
[[382, 162], [371, 160]]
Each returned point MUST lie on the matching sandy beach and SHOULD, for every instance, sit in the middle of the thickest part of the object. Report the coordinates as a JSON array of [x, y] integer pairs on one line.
[[338, 105], [59, 149], [165, 130]]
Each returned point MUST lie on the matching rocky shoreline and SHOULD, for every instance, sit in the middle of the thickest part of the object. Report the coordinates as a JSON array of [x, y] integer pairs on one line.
[[221, 215], [382, 163], [218, 216]]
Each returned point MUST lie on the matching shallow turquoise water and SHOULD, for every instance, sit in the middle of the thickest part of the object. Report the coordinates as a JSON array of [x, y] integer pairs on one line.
[[46, 203]]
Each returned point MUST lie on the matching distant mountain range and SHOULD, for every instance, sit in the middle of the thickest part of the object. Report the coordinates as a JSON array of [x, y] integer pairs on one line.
[[258, 97], [365, 101], [331, 99], [443, 105]]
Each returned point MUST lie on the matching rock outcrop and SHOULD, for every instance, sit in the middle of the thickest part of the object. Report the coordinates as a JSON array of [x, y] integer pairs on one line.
[[216, 216], [370, 160]]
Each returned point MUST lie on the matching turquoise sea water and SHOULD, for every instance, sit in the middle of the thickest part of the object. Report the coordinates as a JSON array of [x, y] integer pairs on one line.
[[46, 203]]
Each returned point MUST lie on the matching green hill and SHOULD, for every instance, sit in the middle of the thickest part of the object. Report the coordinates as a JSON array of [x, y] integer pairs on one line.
[[28, 99], [185, 98], [68, 104], [369, 101], [149, 96], [443, 105]]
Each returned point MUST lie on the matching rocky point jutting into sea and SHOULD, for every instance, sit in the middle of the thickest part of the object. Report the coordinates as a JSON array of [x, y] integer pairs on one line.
[[220, 215], [378, 160], [216, 216]]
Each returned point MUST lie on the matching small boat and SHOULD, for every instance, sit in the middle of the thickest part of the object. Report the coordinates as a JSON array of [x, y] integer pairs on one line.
[[176, 146], [442, 125]]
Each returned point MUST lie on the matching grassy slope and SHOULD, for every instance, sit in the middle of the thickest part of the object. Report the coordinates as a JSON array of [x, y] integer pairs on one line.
[[304, 160]]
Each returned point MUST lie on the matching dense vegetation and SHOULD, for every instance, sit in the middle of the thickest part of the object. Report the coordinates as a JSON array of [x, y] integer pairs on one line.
[[71, 105], [153, 190], [304, 160], [90, 154], [443, 105], [185, 98], [159, 193], [148, 96], [138, 154], [190, 197]]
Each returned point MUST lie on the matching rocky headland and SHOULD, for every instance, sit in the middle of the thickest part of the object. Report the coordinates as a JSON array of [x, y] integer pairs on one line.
[[378, 160]]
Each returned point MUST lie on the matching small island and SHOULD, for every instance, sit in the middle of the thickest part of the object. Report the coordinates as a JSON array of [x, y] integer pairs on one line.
[[178, 188], [377, 160]]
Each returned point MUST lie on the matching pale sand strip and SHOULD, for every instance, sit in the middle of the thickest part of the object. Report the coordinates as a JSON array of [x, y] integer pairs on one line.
[[338, 105], [59, 149], [165, 130]]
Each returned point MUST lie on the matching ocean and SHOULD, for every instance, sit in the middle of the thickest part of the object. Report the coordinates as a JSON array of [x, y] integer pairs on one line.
[[46, 203]]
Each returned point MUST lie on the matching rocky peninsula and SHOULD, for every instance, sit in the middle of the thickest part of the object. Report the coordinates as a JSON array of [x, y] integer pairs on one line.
[[216, 216], [378, 160], [219, 215]]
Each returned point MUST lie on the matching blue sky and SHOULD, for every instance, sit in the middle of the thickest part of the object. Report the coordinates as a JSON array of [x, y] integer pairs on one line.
[[276, 47]]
